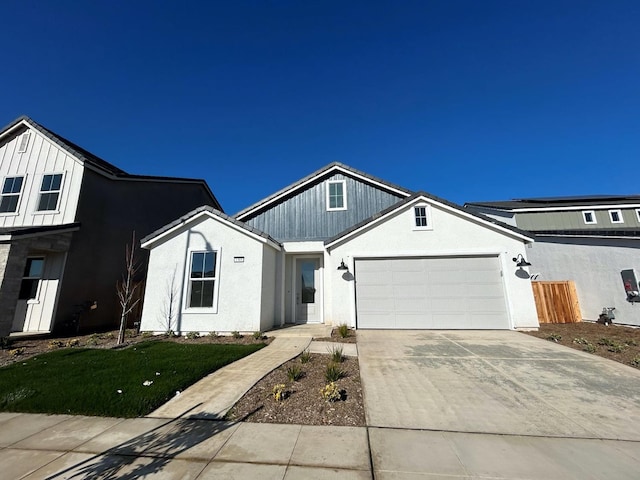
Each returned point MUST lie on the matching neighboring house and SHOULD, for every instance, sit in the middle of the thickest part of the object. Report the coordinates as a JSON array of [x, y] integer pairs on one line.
[[65, 219], [339, 247], [588, 239]]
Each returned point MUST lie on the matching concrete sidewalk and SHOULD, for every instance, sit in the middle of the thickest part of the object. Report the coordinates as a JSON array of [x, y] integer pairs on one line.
[[37, 447]]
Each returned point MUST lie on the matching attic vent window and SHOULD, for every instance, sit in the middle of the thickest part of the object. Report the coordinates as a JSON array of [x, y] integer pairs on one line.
[[337, 195], [589, 217], [421, 217], [616, 216], [24, 142]]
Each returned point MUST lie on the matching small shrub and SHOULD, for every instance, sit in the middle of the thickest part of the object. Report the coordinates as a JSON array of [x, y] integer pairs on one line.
[[294, 373], [631, 343], [336, 354], [55, 344], [331, 392], [193, 335], [108, 336], [16, 352], [280, 392], [590, 348], [554, 337], [343, 331], [305, 357], [235, 334], [213, 334], [635, 362], [131, 333], [5, 342], [257, 335], [617, 348], [333, 373], [147, 334], [94, 339], [606, 342], [74, 342]]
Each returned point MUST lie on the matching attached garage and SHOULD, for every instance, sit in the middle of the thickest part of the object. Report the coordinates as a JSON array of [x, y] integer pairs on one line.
[[445, 292]]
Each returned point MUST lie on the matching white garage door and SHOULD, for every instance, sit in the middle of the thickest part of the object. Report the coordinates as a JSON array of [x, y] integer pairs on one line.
[[437, 292]]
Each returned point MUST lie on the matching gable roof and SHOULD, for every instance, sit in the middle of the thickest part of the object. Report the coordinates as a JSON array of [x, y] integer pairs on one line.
[[490, 222], [98, 163], [211, 212], [559, 202], [335, 167]]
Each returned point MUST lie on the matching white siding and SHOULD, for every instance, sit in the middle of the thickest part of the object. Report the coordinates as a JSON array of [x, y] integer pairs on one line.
[[452, 234], [41, 157], [239, 284]]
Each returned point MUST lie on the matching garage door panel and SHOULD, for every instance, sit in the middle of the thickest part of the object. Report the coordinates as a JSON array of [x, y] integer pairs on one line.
[[442, 292]]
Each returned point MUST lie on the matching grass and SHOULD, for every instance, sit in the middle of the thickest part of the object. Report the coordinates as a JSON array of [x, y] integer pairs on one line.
[[87, 381]]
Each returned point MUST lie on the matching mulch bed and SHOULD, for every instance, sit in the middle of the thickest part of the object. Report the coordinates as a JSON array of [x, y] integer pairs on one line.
[[304, 404], [614, 342]]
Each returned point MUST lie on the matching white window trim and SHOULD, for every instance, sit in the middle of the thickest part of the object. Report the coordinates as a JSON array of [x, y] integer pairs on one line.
[[619, 212], [344, 195], [57, 209], [593, 215], [427, 208], [187, 284], [24, 181]]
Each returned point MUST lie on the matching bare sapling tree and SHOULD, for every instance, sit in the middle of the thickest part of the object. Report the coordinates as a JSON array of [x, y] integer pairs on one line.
[[126, 288], [169, 310]]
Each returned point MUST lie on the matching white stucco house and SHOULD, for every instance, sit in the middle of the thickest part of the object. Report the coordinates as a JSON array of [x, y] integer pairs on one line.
[[338, 247]]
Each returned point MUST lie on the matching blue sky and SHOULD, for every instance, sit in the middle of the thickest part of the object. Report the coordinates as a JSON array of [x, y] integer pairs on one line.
[[468, 100]]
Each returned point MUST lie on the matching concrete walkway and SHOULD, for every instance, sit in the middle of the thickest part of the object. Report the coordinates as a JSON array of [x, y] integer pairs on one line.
[[214, 395]]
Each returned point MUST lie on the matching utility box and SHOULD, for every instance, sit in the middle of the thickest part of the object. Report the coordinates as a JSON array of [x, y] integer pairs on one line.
[[630, 282]]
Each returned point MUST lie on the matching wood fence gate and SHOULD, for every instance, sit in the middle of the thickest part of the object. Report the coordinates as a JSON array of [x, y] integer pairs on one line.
[[556, 302]]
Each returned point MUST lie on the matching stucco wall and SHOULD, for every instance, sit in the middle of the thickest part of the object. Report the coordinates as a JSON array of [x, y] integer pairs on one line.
[[451, 234], [239, 284], [594, 265]]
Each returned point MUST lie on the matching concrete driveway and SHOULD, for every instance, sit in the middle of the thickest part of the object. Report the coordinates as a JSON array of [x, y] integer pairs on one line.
[[499, 382]]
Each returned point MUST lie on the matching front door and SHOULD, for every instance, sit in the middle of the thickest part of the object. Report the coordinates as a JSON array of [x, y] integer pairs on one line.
[[308, 291], [28, 296]]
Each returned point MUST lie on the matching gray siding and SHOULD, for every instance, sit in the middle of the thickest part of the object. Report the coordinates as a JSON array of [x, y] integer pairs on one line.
[[573, 220], [304, 217]]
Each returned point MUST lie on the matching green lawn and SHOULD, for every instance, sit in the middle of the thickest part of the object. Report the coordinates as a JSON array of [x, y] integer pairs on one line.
[[89, 381]]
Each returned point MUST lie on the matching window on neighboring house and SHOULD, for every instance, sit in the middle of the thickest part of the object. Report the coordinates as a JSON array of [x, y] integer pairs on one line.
[[50, 192], [31, 278], [10, 194], [616, 216], [589, 217], [638, 214], [421, 218], [337, 195], [202, 279]]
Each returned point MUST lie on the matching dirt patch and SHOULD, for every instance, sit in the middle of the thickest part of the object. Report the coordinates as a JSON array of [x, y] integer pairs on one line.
[[21, 349], [304, 404], [614, 342], [336, 337]]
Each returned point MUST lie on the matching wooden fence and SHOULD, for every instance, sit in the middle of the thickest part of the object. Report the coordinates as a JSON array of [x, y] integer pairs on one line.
[[556, 302]]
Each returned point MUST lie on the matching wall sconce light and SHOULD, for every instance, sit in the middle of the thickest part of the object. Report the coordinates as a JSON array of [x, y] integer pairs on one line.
[[342, 266], [520, 261]]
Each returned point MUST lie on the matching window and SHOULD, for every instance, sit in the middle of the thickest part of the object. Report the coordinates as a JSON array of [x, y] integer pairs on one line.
[[638, 214], [337, 195], [202, 279], [616, 216], [50, 192], [10, 194], [31, 278], [421, 217], [589, 217]]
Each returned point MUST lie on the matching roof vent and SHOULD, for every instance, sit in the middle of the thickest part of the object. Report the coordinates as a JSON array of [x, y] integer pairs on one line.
[[24, 142]]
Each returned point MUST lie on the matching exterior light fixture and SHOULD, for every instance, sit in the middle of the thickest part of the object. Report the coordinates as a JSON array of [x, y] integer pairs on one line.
[[520, 261], [342, 266]]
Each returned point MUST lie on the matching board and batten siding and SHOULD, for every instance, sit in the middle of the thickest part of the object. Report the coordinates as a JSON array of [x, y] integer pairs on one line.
[[41, 157], [573, 220], [304, 216]]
